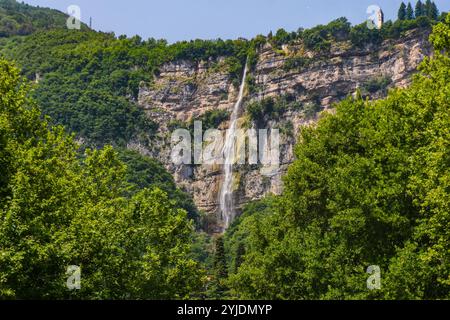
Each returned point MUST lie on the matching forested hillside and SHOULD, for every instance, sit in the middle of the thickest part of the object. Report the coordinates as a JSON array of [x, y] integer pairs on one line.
[[23, 19], [370, 184]]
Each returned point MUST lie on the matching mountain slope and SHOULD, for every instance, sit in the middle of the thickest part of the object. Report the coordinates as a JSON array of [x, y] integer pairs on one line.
[[22, 19], [131, 92]]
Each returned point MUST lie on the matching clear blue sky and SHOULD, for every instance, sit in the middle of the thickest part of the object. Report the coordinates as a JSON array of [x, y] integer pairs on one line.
[[209, 19]]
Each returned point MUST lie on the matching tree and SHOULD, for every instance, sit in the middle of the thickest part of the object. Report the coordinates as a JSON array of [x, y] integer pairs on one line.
[[360, 35], [402, 12], [433, 12], [419, 10], [319, 38], [281, 37], [370, 186], [218, 286], [60, 208], [427, 8], [409, 12], [220, 265], [146, 173]]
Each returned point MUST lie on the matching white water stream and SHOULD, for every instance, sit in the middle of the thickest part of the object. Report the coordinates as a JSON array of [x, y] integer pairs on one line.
[[226, 192]]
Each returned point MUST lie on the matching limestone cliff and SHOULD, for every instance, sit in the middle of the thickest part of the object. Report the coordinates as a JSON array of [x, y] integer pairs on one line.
[[184, 90]]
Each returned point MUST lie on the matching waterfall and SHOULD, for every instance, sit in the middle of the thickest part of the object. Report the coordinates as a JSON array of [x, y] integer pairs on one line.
[[226, 192]]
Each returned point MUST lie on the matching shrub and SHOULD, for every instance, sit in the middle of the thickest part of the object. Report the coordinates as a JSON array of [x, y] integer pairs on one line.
[[376, 84]]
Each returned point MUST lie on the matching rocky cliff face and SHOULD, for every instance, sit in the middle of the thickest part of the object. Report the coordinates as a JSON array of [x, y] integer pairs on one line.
[[185, 90]]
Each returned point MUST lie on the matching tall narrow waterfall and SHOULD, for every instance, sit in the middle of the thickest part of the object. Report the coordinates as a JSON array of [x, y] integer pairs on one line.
[[226, 192]]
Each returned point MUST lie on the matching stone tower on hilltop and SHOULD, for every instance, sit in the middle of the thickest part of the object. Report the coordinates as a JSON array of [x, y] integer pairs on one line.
[[380, 19]]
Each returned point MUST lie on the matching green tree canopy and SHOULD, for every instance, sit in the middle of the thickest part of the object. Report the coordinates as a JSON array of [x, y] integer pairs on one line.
[[433, 12], [58, 210], [370, 186], [402, 12]]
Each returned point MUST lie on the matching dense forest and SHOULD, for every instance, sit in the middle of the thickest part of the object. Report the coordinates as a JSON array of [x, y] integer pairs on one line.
[[23, 19], [370, 184]]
